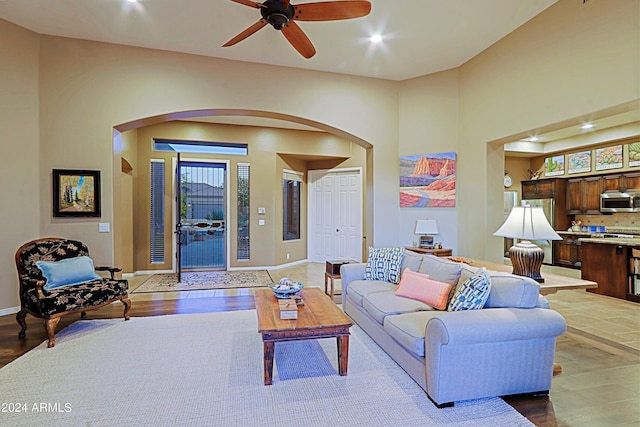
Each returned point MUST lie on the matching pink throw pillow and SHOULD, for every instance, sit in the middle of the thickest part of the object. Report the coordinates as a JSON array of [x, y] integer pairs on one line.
[[419, 287]]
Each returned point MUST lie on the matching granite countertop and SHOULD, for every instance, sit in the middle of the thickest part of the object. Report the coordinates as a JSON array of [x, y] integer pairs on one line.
[[592, 237], [576, 233], [612, 241]]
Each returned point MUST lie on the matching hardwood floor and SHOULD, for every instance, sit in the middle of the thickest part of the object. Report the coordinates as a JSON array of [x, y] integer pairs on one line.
[[599, 354]]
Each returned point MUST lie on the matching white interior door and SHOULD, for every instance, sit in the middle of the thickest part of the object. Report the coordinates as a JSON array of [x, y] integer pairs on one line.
[[335, 215]]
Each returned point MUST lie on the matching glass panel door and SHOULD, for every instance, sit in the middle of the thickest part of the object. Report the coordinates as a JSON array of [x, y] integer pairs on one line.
[[202, 227]]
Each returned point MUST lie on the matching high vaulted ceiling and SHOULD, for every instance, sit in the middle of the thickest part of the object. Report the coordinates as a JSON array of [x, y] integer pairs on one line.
[[419, 36]]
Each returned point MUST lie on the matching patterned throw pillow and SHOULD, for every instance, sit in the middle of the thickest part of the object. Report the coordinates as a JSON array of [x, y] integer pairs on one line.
[[420, 287], [384, 264], [473, 293]]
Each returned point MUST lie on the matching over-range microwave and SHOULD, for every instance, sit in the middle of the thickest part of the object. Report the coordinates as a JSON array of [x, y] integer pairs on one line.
[[620, 202]]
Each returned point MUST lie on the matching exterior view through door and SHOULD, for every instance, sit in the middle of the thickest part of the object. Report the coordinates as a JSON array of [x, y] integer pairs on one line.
[[201, 231]]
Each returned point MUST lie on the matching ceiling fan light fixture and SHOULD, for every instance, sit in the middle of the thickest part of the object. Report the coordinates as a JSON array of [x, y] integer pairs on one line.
[[278, 20], [282, 15]]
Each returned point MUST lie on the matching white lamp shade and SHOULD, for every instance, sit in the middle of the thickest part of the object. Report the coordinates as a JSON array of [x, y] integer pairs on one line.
[[426, 226], [527, 223]]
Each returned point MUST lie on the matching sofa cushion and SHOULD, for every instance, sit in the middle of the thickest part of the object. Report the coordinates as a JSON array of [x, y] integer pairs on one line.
[[67, 272], [420, 287], [381, 304], [440, 269], [412, 261], [473, 293], [409, 329], [384, 264], [510, 290], [466, 272], [507, 290], [359, 288]]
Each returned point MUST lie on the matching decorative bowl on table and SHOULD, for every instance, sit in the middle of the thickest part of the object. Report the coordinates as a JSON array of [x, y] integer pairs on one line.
[[285, 288]]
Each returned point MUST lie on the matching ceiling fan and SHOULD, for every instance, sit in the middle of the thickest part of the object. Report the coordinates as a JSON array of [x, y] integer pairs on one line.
[[281, 14]]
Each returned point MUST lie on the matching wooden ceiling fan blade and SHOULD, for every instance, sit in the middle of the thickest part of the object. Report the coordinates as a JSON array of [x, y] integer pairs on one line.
[[249, 3], [331, 11], [298, 39], [246, 33]]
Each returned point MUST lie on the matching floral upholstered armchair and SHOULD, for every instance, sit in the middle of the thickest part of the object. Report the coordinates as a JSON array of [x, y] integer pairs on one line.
[[57, 278]]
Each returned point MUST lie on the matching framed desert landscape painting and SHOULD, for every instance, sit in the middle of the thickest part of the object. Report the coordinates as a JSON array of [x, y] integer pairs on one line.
[[76, 193], [428, 180]]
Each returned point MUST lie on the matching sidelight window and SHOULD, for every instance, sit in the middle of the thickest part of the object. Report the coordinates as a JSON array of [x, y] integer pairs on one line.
[[291, 185]]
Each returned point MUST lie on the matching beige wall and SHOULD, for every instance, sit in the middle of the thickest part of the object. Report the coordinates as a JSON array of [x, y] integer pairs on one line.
[[571, 61], [429, 108], [518, 171], [19, 135]]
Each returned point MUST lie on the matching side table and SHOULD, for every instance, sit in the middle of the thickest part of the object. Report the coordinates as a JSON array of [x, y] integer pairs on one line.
[[443, 252], [332, 273], [329, 278]]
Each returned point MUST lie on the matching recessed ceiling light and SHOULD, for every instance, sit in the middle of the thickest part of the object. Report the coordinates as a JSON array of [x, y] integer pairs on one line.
[[375, 38], [587, 126]]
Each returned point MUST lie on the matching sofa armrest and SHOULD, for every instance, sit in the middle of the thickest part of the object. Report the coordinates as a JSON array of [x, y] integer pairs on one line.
[[493, 325], [349, 273]]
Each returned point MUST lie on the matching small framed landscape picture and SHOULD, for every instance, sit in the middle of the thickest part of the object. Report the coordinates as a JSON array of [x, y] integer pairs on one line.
[[76, 193], [554, 166], [609, 158], [634, 154], [579, 162]]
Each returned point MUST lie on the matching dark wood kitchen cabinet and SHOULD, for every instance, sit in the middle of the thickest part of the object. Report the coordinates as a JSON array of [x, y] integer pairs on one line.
[[583, 195], [631, 181], [541, 188], [612, 183], [568, 251], [607, 265], [554, 188], [621, 182]]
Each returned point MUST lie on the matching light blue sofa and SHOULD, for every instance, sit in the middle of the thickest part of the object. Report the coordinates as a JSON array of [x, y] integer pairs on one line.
[[506, 348]]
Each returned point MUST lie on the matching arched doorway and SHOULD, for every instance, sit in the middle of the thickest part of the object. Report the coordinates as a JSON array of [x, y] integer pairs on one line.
[[122, 238]]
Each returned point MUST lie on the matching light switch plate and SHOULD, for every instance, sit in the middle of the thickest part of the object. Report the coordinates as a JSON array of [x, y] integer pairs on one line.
[[104, 227], [262, 211]]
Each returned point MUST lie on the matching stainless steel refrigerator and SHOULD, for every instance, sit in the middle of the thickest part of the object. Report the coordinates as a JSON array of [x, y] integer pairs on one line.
[[548, 206]]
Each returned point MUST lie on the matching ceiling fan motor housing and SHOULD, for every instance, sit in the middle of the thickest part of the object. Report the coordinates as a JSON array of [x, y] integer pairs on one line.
[[277, 14]]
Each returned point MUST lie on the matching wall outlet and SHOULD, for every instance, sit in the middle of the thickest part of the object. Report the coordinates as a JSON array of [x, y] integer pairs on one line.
[[288, 255], [104, 227], [261, 222]]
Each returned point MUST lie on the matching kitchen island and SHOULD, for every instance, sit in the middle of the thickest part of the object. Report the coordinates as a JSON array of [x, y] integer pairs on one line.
[[610, 262]]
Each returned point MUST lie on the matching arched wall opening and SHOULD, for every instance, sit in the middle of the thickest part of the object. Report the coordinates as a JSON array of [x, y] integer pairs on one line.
[[127, 247]]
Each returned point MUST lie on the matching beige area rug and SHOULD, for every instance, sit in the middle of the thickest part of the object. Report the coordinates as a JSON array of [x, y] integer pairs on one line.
[[207, 370], [204, 280]]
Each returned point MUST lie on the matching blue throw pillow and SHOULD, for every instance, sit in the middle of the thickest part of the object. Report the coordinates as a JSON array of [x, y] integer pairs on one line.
[[473, 293], [67, 272], [384, 264]]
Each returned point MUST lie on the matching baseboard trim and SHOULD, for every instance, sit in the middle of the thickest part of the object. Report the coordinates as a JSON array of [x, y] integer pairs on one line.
[[10, 310]]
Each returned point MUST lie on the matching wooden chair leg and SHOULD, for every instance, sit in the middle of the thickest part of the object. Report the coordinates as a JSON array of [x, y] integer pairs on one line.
[[127, 306], [83, 315], [21, 319], [50, 327]]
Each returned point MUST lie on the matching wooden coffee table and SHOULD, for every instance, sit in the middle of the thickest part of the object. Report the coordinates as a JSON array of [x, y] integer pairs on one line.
[[319, 317]]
